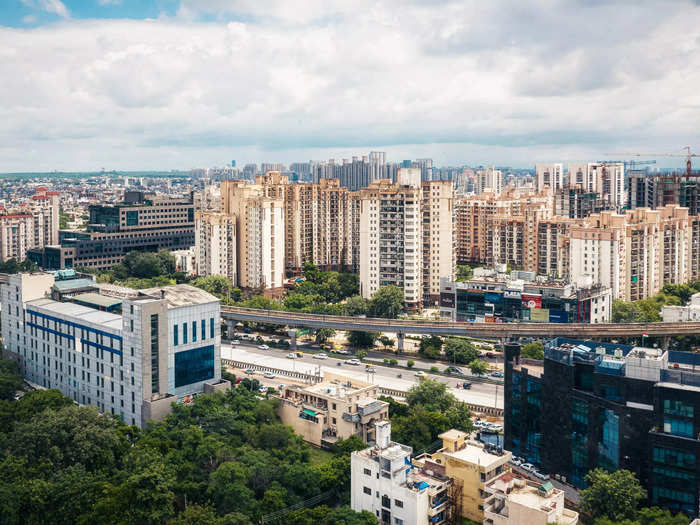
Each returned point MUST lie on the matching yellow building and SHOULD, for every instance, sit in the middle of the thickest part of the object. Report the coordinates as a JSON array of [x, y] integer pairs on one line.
[[471, 466]]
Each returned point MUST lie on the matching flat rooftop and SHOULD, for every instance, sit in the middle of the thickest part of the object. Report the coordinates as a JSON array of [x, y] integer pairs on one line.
[[329, 389], [97, 299], [179, 295], [74, 284], [475, 455], [78, 312]]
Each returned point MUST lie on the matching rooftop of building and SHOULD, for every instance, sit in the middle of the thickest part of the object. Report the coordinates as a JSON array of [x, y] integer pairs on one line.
[[533, 495], [178, 295], [475, 454], [96, 299], [338, 387], [78, 311], [74, 284]]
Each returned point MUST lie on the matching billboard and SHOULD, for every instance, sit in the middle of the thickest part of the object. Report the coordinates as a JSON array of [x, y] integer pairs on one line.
[[447, 300], [532, 301], [540, 315], [558, 316]]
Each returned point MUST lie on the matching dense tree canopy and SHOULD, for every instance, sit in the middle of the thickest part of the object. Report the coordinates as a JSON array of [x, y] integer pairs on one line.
[[225, 459], [430, 347], [10, 379], [611, 495], [534, 350], [460, 351], [386, 302]]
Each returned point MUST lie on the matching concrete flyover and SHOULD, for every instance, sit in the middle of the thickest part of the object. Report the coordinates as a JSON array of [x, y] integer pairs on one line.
[[483, 330]]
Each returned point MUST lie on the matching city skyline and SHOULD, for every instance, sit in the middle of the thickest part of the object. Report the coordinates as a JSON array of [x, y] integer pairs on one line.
[[125, 85]]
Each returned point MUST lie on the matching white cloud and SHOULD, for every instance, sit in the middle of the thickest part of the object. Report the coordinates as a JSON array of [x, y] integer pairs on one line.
[[459, 82], [55, 7]]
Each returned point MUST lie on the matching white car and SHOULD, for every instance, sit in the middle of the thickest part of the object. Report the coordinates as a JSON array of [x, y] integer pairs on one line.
[[516, 462], [235, 342], [291, 355], [529, 467], [342, 351], [269, 375], [320, 356], [541, 475], [353, 362], [420, 373], [264, 347]]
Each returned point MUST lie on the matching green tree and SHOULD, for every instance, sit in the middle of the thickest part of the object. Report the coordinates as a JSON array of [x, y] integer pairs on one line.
[[144, 265], [261, 302], [361, 354], [460, 351], [611, 495], [346, 516], [355, 305], [534, 350], [206, 515], [648, 516], [358, 339], [430, 347], [167, 261], [386, 302], [311, 272], [217, 285], [410, 363], [432, 394], [478, 367], [386, 341], [10, 378], [324, 334], [464, 272]]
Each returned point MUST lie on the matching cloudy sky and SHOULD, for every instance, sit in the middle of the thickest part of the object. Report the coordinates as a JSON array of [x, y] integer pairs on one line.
[[174, 84]]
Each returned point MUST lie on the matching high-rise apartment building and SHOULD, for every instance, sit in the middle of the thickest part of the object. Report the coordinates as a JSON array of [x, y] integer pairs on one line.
[[163, 348], [605, 178], [439, 253], [489, 180], [32, 225], [549, 175], [215, 244], [258, 212], [634, 254], [391, 236]]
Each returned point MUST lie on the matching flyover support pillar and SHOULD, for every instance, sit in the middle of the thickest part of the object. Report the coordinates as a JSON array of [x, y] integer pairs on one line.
[[400, 336], [293, 339]]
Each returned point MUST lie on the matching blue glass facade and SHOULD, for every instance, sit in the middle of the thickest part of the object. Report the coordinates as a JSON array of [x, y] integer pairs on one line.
[[609, 442], [192, 366]]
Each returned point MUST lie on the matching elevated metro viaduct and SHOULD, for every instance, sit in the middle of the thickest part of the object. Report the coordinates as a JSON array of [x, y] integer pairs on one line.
[[499, 331]]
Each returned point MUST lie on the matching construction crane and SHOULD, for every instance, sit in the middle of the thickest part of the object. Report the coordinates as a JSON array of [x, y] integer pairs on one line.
[[688, 156]]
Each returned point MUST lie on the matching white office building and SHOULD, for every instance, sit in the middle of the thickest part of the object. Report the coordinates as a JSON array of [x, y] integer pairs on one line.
[[549, 175], [385, 483], [163, 348]]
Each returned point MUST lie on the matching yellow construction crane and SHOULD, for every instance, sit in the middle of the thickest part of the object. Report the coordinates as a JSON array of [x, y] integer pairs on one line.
[[687, 156]]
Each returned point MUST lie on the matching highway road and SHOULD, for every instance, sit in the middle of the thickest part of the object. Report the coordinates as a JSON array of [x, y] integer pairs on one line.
[[485, 394], [486, 330]]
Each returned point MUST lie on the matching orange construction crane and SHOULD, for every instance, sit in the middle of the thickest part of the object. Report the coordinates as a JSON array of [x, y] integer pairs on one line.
[[688, 156]]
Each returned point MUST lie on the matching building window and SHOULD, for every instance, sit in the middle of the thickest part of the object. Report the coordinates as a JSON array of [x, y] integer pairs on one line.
[[677, 408], [154, 353], [175, 335], [368, 472], [194, 331], [398, 503], [193, 366], [204, 329], [678, 427], [184, 333], [398, 521], [211, 327], [367, 490]]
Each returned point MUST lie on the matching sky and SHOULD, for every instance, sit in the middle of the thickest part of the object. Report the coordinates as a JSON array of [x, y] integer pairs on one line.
[[177, 84]]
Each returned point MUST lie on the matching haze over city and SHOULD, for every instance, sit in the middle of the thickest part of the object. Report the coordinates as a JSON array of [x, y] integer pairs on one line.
[[167, 84]]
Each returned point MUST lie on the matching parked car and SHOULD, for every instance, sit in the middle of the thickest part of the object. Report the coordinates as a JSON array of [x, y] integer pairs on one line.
[[235, 342], [249, 371], [263, 347], [466, 385], [320, 356], [516, 462], [269, 375], [262, 389], [370, 369], [420, 373], [454, 370], [342, 351], [496, 374], [354, 362], [291, 355], [541, 475], [529, 467]]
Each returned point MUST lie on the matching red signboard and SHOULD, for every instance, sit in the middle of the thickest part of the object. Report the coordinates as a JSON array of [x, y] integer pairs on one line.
[[532, 301]]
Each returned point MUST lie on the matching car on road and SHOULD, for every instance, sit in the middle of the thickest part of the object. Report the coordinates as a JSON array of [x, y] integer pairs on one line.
[[342, 351], [320, 356], [263, 347], [249, 371], [269, 375], [353, 362], [292, 355], [262, 389], [529, 467], [466, 385], [370, 369], [516, 462], [235, 342], [541, 475], [497, 374], [420, 373], [454, 370]]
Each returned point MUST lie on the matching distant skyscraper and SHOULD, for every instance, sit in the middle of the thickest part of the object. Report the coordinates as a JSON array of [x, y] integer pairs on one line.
[[233, 163]]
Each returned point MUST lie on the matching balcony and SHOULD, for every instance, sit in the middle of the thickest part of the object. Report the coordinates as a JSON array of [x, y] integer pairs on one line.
[[352, 418]]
